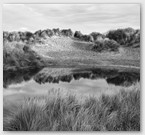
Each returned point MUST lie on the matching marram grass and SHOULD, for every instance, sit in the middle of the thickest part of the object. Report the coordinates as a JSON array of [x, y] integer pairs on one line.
[[54, 112]]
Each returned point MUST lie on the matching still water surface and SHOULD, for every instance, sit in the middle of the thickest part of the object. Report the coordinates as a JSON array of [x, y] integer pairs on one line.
[[17, 87]]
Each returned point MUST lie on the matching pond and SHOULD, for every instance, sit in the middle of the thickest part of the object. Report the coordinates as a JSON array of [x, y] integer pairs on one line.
[[92, 82]]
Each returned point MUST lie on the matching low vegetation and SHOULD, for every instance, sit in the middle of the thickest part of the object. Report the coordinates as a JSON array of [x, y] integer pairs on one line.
[[59, 112]]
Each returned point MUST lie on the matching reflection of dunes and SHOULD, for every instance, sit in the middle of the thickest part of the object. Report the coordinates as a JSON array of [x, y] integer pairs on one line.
[[111, 76], [55, 75]]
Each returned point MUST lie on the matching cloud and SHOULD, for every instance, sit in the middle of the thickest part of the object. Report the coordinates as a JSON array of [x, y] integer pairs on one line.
[[23, 29], [83, 17]]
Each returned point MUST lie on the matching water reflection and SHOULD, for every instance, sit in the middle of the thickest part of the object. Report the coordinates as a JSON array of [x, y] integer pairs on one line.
[[18, 77], [87, 82], [111, 76], [56, 75], [124, 78]]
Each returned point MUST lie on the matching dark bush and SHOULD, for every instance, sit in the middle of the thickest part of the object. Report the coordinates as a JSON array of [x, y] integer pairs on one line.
[[67, 32], [126, 36], [97, 36], [78, 34], [105, 45]]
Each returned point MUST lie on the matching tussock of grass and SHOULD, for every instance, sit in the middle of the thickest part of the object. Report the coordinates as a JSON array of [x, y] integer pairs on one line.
[[56, 112]]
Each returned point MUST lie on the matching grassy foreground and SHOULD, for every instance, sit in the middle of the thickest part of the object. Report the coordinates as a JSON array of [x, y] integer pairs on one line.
[[59, 112]]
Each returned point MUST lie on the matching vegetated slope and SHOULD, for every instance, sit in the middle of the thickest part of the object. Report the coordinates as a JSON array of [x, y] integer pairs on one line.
[[43, 36], [65, 112], [55, 44], [65, 47], [70, 52]]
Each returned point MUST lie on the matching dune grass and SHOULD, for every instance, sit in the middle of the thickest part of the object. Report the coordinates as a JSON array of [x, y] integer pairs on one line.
[[67, 112]]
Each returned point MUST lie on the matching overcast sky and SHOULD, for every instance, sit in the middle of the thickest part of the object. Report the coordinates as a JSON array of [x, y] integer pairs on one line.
[[84, 17]]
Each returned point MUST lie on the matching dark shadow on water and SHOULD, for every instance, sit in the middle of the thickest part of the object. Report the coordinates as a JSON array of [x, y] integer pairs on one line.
[[111, 76], [18, 77], [124, 78]]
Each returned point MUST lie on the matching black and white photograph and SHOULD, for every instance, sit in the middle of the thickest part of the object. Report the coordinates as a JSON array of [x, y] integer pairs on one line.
[[71, 67]]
